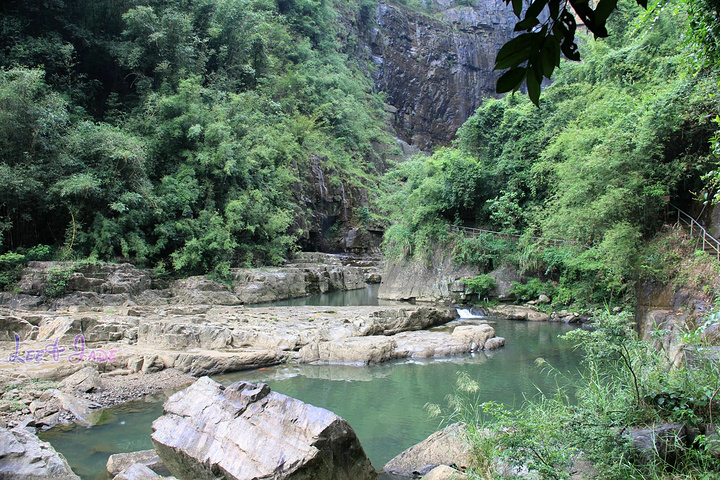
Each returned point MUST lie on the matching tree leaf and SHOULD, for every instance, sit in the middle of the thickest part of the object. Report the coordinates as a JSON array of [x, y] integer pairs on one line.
[[533, 87], [517, 7], [550, 55], [604, 9], [570, 50], [535, 8], [511, 80], [526, 24], [516, 50]]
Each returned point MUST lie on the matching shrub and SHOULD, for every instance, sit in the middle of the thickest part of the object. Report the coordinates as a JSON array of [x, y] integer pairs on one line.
[[481, 285], [532, 289]]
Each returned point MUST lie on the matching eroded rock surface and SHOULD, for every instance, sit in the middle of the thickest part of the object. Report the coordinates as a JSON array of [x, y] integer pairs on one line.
[[115, 285], [246, 431], [446, 447], [23, 456]]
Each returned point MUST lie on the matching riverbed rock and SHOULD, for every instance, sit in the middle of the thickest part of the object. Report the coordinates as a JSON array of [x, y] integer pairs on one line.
[[121, 461], [355, 351], [446, 447], [246, 431], [85, 380], [23, 456], [494, 343], [200, 290], [663, 441], [10, 325], [518, 312], [443, 472], [53, 401], [137, 471]]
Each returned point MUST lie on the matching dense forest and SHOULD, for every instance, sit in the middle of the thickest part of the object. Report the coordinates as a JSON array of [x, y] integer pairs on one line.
[[180, 135], [175, 134], [617, 139]]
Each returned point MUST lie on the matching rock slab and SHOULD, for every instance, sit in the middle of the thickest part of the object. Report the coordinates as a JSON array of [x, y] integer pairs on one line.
[[246, 431], [23, 456]]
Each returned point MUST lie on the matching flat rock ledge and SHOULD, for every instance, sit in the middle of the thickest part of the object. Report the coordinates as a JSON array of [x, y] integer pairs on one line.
[[246, 431], [207, 340]]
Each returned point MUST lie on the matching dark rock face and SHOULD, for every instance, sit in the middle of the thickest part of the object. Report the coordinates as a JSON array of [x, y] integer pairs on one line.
[[436, 70], [246, 431]]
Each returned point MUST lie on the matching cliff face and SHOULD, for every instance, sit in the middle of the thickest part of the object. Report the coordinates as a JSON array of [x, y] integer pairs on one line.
[[437, 69]]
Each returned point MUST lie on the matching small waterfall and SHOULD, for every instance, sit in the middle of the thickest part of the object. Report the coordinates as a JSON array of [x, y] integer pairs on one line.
[[466, 314], [342, 188], [317, 171]]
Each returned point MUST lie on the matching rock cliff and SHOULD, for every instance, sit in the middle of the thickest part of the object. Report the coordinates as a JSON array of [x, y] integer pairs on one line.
[[436, 69]]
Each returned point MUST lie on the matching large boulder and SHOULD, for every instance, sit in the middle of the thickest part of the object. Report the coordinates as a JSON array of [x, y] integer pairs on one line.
[[354, 350], [246, 431], [665, 441], [518, 312], [446, 447], [83, 381], [23, 456]]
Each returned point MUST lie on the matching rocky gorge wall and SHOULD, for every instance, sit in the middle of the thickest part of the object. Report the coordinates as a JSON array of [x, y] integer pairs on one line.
[[105, 284], [436, 69], [438, 279]]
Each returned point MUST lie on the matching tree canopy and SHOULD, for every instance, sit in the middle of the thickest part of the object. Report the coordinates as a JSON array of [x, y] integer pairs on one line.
[[548, 32]]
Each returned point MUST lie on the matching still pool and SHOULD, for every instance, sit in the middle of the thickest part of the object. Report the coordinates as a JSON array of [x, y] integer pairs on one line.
[[383, 403]]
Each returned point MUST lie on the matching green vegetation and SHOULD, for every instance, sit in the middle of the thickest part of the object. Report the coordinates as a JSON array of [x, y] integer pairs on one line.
[[480, 285], [593, 166], [624, 384], [174, 134]]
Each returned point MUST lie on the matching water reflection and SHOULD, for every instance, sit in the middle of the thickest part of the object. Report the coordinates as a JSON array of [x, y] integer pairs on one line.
[[367, 296], [383, 403]]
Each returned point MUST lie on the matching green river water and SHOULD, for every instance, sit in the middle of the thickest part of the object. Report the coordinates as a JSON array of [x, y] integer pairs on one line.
[[383, 403]]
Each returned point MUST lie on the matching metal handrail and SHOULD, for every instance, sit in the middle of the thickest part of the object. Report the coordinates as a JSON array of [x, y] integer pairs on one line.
[[707, 239], [479, 231]]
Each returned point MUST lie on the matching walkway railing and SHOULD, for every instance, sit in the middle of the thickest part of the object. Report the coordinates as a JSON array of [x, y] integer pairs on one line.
[[710, 243], [476, 232]]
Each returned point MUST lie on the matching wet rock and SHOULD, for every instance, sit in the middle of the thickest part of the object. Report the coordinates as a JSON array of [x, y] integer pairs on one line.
[[443, 472], [517, 312], [494, 343], [423, 344], [354, 350], [23, 456], [245, 431], [212, 362], [149, 458], [85, 380], [392, 321], [445, 447]]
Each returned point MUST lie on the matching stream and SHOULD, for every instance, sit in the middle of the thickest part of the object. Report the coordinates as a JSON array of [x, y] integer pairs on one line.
[[383, 403]]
